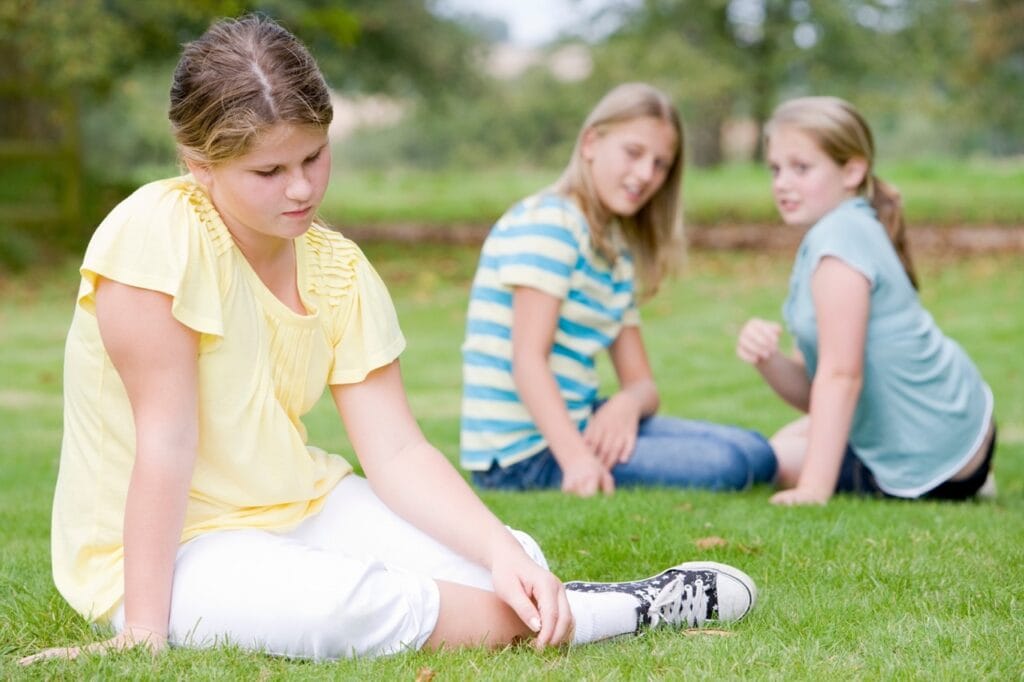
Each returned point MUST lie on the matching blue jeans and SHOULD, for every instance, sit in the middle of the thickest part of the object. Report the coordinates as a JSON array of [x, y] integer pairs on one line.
[[669, 452]]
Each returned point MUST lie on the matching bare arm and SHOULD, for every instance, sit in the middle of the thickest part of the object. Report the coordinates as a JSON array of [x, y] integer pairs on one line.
[[612, 430], [419, 484], [155, 356], [841, 305], [758, 345], [534, 320]]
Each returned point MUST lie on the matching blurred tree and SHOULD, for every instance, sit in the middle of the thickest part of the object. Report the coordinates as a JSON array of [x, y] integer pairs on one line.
[[895, 58], [990, 85], [379, 45], [61, 60], [732, 57]]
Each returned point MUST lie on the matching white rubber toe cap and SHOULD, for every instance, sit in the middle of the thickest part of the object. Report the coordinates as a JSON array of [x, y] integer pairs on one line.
[[736, 591]]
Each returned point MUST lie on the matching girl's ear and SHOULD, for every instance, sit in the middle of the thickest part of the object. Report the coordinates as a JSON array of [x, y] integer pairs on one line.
[[587, 144], [200, 171], [854, 172]]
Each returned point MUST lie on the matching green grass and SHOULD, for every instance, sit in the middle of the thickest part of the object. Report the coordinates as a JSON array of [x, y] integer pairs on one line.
[[859, 589], [942, 192]]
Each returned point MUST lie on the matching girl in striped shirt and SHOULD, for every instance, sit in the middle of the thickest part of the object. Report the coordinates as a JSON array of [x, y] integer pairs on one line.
[[558, 282]]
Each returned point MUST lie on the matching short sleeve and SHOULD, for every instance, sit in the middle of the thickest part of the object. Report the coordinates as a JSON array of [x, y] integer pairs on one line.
[[161, 238], [841, 235], [537, 244], [631, 316], [368, 335]]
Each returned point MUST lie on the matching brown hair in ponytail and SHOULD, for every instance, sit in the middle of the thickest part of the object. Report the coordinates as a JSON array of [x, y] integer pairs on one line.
[[843, 134]]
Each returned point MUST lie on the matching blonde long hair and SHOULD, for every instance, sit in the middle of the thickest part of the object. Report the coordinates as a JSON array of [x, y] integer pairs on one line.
[[843, 134], [240, 78], [655, 233]]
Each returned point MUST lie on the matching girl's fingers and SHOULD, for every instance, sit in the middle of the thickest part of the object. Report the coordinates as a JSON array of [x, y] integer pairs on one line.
[[68, 652], [564, 627], [551, 612]]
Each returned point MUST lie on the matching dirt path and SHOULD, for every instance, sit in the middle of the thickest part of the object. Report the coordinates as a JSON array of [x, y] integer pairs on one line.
[[962, 240]]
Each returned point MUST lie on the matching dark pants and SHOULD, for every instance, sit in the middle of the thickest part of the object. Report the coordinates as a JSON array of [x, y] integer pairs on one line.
[[855, 477]]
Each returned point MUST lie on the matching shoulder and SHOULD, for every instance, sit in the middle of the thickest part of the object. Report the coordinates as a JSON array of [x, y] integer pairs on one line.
[[166, 236], [851, 233], [852, 222], [163, 220], [334, 262], [326, 246], [545, 214], [166, 196], [545, 225], [163, 211]]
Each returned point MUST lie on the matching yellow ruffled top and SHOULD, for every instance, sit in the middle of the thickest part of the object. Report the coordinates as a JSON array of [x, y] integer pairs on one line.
[[262, 366]]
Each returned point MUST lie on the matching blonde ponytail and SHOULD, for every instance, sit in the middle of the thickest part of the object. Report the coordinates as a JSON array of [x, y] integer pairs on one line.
[[888, 204]]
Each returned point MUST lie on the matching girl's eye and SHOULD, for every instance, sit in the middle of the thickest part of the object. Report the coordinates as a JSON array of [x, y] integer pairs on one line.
[[773, 168], [316, 156], [662, 164], [633, 152], [268, 173], [801, 168]]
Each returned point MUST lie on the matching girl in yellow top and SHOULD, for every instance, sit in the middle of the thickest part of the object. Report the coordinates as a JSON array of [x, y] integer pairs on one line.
[[213, 311]]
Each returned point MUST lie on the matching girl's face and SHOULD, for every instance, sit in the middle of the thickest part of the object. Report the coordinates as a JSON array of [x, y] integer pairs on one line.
[[806, 182], [271, 193], [629, 162]]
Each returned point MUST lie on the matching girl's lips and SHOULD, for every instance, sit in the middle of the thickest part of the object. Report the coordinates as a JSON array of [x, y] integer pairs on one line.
[[301, 213]]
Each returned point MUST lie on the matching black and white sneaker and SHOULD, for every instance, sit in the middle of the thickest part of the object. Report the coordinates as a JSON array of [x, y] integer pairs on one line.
[[686, 595]]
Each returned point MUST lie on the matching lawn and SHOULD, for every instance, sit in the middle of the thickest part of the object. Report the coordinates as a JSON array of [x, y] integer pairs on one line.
[[859, 589], [942, 192]]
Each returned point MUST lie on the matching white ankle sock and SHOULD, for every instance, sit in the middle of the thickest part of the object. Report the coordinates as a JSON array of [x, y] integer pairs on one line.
[[600, 615]]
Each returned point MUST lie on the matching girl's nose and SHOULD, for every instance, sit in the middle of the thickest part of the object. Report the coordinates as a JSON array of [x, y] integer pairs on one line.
[[299, 187], [645, 169]]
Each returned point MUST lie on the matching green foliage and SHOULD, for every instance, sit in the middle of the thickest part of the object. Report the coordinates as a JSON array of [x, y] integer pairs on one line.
[[126, 137], [88, 79], [391, 45], [861, 588], [956, 63], [533, 120], [933, 77]]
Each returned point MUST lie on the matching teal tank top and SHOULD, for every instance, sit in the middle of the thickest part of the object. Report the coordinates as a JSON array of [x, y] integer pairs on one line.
[[924, 409]]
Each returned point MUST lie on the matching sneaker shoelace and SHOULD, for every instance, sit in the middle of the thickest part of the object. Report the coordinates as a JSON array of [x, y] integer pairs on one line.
[[679, 603]]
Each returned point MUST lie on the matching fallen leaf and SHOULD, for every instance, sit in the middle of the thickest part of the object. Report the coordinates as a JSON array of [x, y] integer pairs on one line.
[[710, 541], [424, 675]]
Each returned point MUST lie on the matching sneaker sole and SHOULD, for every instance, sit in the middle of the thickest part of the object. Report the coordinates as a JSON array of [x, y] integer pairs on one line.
[[736, 590]]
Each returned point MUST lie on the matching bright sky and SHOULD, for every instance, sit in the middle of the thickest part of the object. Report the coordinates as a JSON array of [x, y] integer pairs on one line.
[[532, 22]]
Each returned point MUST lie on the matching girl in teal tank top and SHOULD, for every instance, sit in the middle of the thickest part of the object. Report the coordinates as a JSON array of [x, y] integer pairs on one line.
[[893, 406]]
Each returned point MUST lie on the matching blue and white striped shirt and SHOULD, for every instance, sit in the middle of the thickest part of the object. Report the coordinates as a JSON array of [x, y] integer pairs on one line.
[[543, 242]]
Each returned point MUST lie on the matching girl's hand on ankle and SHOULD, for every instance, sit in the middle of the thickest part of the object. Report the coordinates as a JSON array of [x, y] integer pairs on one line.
[[132, 636], [536, 595]]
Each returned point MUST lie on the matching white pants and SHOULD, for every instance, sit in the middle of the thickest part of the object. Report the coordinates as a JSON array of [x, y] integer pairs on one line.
[[353, 580]]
